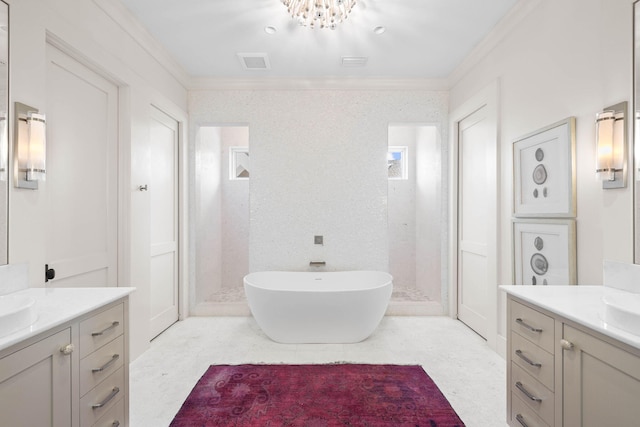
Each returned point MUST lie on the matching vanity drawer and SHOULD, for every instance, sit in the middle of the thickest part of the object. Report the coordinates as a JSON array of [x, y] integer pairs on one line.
[[106, 394], [114, 417], [528, 356], [100, 364], [100, 329], [533, 325], [522, 415], [539, 399]]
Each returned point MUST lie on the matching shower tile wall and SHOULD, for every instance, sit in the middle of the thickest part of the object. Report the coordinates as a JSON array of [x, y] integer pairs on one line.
[[206, 218], [318, 168], [415, 209], [221, 217]]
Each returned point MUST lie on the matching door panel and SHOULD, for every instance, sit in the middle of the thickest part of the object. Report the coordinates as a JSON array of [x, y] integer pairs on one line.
[[163, 192], [82, 169], [473, 209]]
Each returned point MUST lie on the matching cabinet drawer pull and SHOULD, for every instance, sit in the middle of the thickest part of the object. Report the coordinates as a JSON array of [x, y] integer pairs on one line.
[[520, 419], [529, 327], [106, 400], [106, 365], [116, 423], [526, 359], [520, 387], [107, 329]]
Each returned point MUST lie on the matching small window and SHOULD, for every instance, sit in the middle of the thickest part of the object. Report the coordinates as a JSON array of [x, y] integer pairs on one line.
[[239, 165], [397, 162]]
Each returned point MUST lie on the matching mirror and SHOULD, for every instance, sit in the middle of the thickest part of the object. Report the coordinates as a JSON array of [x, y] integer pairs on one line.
[[4, 131], [636, 131]]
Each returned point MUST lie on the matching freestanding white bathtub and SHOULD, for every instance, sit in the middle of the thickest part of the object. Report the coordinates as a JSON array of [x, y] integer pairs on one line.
[[325, 307]]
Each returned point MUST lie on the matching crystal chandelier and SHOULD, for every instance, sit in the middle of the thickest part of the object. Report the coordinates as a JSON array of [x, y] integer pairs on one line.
[[319, 13]]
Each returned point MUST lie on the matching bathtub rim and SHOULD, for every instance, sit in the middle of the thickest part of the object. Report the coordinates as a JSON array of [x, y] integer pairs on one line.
[[389, 282]]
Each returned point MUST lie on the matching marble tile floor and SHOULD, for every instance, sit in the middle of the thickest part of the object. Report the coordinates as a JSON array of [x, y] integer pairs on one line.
[[470, 375]]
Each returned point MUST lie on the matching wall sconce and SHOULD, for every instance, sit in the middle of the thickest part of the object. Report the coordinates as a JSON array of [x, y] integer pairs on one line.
[[29, 147], [611, 143]]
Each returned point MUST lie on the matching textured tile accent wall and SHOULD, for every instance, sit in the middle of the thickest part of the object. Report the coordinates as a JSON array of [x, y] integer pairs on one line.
[[318, 161]]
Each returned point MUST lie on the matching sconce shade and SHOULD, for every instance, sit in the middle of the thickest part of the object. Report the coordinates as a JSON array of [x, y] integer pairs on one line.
[[604, 144], [618, 141], [611, 141], [30, 147], [36, 165]]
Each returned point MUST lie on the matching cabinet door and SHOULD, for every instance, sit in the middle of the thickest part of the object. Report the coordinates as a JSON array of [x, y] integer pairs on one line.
[[601, 383], [35, 384]]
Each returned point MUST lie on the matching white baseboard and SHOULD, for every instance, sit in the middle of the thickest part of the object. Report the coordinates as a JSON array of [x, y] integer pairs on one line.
[[501, 344]]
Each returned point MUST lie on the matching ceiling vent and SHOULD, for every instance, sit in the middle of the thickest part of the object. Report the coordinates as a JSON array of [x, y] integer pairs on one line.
[[254, 61], [354, 61]]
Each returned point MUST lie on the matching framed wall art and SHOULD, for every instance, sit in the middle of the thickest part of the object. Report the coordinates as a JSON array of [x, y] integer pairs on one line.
[[545, 172], [544, 251]]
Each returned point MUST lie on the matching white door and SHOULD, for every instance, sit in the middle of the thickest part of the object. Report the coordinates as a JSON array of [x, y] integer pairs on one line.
[[82, 174], [476, 194], [163, 192]]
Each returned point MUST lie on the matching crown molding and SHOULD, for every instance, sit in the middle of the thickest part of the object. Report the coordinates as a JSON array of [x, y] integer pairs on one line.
[[130, 25], [506, 25], [342, 83]]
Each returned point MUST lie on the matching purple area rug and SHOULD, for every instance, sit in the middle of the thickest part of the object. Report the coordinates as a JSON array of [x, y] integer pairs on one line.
[[316, 396]]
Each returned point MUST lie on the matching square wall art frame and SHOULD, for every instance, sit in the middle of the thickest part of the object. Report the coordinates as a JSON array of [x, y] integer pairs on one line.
[[544, 251], [545, 172]]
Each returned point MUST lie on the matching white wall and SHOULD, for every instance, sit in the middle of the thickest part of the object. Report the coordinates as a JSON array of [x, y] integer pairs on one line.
[[86, 31], [567, 58], [318, 161]]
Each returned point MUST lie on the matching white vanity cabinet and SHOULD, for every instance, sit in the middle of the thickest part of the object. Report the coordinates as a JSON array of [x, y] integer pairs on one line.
[[74, 374], [561, 372], [35, 383], [531, 367], [103, 366], [601, 382]]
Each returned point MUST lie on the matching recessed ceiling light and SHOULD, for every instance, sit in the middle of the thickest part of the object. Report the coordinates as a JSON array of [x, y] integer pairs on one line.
[[270, 29], [379, 30]]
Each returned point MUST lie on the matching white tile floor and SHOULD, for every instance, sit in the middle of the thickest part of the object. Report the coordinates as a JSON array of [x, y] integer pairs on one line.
[[469, 374]]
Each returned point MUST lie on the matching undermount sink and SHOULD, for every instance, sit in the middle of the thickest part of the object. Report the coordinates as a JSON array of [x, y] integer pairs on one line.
[[16, 312], [623, 311]]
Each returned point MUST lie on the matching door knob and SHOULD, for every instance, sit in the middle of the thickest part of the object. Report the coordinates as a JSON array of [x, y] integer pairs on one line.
[[143, 187]]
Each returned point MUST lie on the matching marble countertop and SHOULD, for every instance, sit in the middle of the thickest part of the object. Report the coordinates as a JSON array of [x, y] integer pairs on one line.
[[580, 304], [56, 306]]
